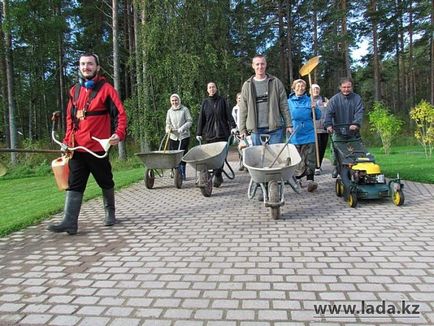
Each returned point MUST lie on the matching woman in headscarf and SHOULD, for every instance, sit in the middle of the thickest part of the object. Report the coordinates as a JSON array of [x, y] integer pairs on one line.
[[178, 123]]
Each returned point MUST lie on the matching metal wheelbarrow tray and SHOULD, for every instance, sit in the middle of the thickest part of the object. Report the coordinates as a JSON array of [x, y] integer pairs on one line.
[[257, 160], [204, 158], [161, 159]]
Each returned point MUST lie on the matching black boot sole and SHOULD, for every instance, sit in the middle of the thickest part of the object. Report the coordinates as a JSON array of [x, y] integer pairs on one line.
[[55, 229]]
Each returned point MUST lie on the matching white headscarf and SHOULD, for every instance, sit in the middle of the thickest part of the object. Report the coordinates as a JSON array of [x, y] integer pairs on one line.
[[179, 101]]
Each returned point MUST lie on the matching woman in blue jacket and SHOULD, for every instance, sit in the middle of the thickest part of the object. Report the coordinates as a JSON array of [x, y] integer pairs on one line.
[[304, 138]]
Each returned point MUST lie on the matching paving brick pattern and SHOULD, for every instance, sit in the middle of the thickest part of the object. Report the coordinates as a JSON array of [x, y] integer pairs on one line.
[[179, 258]]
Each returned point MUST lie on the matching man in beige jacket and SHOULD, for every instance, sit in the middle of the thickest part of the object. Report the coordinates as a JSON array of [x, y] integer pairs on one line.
[[264, 105]]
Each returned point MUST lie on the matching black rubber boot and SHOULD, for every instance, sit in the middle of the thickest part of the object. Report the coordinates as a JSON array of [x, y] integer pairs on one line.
[[71, 211], [218, 178], [109, 206]]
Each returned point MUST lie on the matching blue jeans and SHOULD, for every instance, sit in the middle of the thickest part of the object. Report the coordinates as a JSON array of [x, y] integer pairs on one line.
[[276, 136]]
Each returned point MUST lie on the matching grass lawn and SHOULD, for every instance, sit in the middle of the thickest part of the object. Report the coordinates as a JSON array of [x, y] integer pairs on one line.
[[409, 161], [26, 201]]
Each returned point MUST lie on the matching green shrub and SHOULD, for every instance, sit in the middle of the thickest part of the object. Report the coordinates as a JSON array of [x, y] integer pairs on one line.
[[385, 124], [423, 115]]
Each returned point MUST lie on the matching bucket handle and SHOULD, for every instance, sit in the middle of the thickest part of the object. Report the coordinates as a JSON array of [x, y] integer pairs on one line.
[[105, 143]]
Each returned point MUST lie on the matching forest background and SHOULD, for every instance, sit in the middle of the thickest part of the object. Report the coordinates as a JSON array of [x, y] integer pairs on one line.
[[150, 49]]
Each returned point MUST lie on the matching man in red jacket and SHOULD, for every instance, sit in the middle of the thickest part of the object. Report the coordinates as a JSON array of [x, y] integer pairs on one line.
[[94, 110]]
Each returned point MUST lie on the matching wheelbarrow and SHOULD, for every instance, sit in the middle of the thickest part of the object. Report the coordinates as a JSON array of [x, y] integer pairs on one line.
[[205, 159], [270, 168], [157, 161]]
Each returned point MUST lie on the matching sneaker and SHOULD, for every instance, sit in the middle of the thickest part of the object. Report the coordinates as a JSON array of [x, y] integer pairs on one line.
[[312, 186], [335, 173], [317, 171]]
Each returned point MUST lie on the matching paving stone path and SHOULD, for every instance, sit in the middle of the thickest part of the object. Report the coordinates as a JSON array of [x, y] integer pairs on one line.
[[178, 258]]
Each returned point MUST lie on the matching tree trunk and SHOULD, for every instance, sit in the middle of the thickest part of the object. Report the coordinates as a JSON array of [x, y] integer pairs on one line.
[[315, 40], [3, 84], [412, 81], [282, 42], [403, 85], [375, 58], [60, 69], [145, 85], [288, 41], [432, 53], [345, 36], [129, 44], [116, 69], [10, 84], [137, 90]]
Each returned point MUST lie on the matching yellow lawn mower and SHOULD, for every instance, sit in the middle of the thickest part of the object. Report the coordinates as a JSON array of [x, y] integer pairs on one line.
[[359, 177]]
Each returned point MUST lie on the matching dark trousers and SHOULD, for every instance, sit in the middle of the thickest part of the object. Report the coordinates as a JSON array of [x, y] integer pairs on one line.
[[174, 145], [217, 172], [306, 167], [323, 139], [82, 165]]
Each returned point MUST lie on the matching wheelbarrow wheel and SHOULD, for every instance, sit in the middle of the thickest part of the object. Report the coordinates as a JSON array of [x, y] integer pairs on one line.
[[339, 187], [149, 178], [177, 178], [274, 197], [398, 197], [206, 181]]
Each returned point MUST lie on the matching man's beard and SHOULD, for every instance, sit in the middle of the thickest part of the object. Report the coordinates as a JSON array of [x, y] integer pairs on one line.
[[88, 78]]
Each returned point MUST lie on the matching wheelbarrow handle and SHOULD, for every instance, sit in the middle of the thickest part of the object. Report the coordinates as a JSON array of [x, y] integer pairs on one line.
[[286, 144]]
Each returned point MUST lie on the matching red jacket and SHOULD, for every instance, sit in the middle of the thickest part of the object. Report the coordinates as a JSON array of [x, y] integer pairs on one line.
[[99, 126]]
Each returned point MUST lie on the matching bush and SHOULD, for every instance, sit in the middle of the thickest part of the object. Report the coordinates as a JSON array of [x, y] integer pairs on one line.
[[423, 115], [385, 124]]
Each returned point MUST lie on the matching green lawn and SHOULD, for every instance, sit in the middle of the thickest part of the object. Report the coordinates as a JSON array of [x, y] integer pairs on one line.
[[27, 201], [408, 161]]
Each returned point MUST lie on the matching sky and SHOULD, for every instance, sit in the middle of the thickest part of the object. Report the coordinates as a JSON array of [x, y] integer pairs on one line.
[[360, 51]]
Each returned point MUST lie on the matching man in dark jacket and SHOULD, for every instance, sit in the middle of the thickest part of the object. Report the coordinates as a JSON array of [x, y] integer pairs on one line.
[[215, 122], [344, 111], [94, 110]]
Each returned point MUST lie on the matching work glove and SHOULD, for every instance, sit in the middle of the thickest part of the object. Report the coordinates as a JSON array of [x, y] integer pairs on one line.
[[199, 138], [234, 131]]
